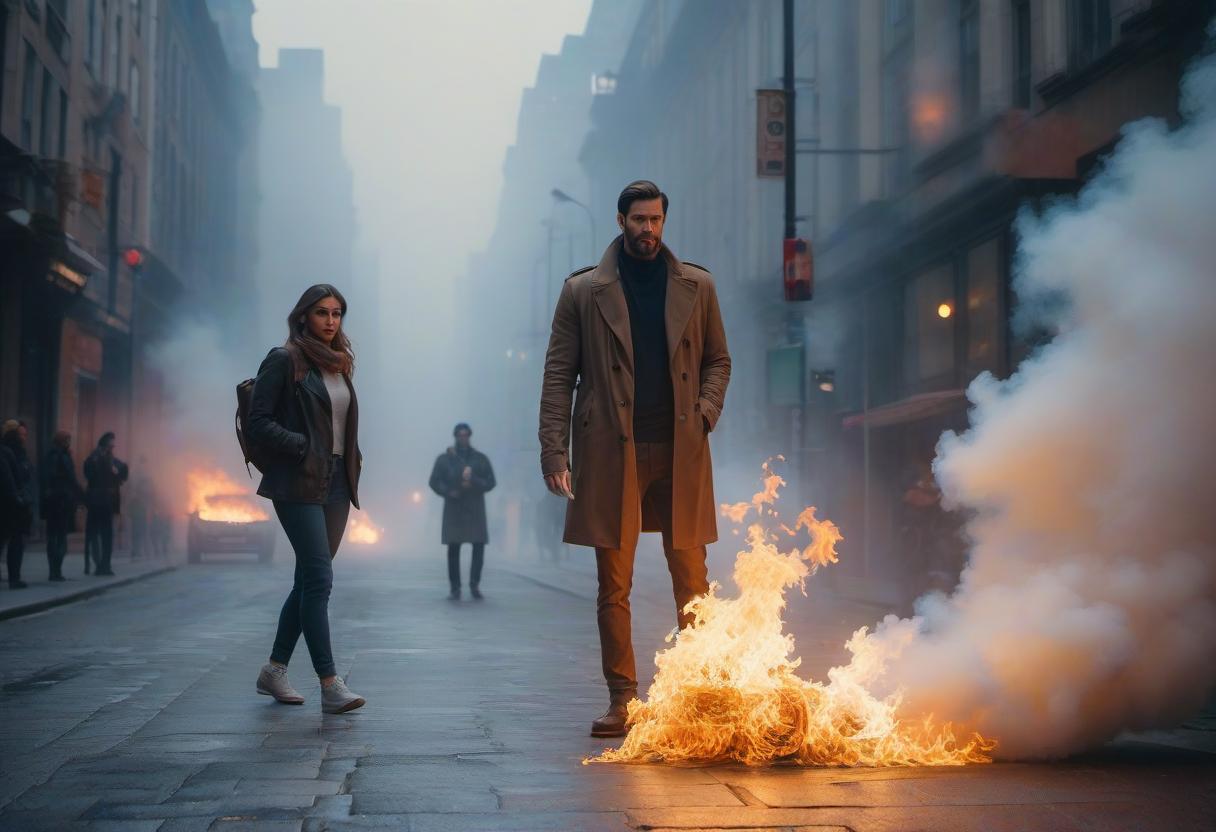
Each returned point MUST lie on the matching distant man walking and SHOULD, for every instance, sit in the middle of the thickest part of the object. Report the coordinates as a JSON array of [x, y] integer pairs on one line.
[[461, 476], [105, 475], [641, 338]]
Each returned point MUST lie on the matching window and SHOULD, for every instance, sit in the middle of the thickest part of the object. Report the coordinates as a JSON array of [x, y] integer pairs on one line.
[[99, 14], [983, 307], [57, 30], [137, 15], [29, 84], [45, 113], [63, 124], [969, 58], [134, 206], [133, 91], [114, 74], [897, 11], [896, 70], [1089, 31], [929, 310], [1021, 54]]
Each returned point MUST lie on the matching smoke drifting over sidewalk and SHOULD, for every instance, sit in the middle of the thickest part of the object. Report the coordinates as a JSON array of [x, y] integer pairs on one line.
[[1089, 606]]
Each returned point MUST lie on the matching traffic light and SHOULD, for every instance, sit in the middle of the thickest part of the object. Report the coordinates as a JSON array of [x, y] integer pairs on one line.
[[133, 257], [799, 270]]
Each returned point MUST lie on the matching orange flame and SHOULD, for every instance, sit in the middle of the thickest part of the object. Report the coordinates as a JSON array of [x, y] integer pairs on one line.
[[363, 531], [216, 496], [727, 689]]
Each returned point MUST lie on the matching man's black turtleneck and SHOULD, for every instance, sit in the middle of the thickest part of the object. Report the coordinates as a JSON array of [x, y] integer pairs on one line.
[[645, 286]]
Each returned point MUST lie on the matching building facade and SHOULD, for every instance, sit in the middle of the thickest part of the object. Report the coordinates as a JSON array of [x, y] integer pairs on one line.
[[74, 162], [122, 131]]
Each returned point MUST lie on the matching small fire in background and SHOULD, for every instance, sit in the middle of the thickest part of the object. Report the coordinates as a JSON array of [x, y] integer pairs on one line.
[[362, 530], [213, 495], [727, 689]]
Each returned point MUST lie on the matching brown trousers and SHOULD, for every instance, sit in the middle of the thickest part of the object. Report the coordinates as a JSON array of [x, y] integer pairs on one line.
[[689, 574]]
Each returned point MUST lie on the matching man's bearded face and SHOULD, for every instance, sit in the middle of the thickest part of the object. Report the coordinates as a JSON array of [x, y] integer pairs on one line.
[[643, 228]]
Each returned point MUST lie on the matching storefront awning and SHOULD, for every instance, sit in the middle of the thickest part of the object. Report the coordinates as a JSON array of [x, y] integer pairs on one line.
[[911, 409]]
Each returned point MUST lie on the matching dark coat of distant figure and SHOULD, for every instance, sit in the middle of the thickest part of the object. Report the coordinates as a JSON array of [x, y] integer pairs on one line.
[[464, 507], [105, 474], [62, 491]]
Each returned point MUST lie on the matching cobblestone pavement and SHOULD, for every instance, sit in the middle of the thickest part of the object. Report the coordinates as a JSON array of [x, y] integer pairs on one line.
[[135, 710]]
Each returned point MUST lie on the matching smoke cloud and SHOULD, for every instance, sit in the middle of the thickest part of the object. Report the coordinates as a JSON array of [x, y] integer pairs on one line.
[[1089, 603]]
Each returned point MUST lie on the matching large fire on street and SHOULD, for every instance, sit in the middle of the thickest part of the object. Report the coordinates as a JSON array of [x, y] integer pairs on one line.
[[728, 690], [215, 496]]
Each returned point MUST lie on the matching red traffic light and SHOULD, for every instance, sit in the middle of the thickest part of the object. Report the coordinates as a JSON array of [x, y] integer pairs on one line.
[[133, 257], [799, 270]]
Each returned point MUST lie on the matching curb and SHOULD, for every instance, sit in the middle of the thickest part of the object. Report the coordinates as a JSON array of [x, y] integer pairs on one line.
[[51, 603]]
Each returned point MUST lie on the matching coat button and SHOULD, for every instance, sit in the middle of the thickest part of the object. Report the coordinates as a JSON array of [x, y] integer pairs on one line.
[[624, 438], [683, 417], [621, 403], [684, 376], [686, 343], [616, 366]]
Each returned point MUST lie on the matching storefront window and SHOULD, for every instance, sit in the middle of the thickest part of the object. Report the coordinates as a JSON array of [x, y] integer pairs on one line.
[[983, 307], [930, 314]]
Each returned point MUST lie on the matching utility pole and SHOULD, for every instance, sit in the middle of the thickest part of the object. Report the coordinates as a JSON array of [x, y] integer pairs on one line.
[[791, 136]]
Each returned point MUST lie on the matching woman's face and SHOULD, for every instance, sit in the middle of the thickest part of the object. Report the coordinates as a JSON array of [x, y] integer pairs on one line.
[[325, 319]]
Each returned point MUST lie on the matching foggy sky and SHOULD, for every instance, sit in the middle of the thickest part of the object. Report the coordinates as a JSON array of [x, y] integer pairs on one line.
[[429, 92]]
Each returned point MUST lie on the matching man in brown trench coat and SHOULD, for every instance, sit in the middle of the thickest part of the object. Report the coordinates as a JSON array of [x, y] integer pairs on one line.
[[640, 338]]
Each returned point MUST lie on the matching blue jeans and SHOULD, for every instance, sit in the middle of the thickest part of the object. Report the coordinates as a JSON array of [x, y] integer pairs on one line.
[[315, 531]]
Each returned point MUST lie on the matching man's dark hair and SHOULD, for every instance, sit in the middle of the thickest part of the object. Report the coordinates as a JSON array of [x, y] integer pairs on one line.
[[642, 189], [106, 439]]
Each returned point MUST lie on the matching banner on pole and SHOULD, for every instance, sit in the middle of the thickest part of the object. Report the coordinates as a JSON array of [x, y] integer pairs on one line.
[[771, 133]]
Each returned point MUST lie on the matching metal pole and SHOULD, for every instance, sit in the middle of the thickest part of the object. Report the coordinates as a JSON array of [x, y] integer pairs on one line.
[[791, 138]]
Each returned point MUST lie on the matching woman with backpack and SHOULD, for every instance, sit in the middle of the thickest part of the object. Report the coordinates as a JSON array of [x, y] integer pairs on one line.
[[303, 433]]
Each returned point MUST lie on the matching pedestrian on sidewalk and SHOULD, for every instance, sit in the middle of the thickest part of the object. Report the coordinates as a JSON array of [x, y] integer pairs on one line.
[[61, 495], [640, 337], [304, 428], [104, 474], [461, 476], [16, 504]]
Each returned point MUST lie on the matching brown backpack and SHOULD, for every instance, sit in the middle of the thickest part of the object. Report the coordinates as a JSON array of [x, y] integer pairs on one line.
[[249, 449]]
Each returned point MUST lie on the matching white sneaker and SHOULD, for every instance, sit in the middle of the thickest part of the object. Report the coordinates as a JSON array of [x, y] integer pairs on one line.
[[272, 681], [337, 698]]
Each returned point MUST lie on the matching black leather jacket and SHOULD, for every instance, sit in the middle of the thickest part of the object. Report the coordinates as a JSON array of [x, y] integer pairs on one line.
[[293, 422]]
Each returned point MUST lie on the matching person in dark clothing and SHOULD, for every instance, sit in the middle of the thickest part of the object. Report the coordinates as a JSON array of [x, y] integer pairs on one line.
[[16, 506], [461, 476], [105, 474], [61, 494], [304, 423]]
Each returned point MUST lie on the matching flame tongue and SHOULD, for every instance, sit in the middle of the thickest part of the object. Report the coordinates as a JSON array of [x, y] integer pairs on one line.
[[216, 497], [727, 689]]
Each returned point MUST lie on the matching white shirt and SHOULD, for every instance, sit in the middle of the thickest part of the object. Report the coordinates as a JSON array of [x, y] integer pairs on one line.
[[339, 402]]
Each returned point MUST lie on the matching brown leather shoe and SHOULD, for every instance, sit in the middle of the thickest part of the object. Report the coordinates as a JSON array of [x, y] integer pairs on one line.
[[612, 723]]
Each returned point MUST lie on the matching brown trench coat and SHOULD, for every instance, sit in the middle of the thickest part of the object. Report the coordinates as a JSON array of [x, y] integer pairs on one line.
[[590, 343]]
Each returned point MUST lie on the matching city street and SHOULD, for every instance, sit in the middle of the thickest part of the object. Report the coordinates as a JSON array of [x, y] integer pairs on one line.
[[135, 710]]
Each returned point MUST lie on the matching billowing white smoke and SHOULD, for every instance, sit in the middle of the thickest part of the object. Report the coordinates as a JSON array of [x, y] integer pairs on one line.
[[1089, 605]]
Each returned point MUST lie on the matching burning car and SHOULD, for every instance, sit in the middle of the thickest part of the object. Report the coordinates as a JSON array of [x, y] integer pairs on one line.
[[224, 519]]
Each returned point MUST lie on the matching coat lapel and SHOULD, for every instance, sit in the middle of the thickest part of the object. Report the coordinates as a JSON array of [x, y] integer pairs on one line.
[[610, 298], [681, 298], [314, 385]]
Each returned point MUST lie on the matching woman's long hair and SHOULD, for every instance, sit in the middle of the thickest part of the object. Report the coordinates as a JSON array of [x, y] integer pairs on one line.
[[305, 350]]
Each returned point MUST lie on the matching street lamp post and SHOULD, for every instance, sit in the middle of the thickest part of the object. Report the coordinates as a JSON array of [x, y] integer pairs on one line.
[[562, 196]]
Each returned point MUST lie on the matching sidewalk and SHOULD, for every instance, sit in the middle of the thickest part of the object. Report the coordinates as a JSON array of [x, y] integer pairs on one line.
[[42, 594]]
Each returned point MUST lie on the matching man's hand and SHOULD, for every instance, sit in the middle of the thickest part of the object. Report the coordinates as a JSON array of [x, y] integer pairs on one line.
[[559, 483]]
